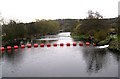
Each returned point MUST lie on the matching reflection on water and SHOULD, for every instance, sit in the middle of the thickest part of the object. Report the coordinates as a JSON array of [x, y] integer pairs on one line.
[[60, 61], [95, 59], [59, 38], [116, 55]]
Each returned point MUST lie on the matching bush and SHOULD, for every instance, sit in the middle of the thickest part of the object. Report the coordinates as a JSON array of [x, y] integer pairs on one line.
[[101, 35]]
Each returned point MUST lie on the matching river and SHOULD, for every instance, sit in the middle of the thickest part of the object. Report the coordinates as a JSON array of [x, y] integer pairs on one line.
[[60, 61]]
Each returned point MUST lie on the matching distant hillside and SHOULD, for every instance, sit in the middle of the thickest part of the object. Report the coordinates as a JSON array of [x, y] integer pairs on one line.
[[67, 24], [70, 24]]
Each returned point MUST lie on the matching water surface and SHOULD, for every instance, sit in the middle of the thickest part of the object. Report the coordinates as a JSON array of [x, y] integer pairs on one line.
[[60, 61]]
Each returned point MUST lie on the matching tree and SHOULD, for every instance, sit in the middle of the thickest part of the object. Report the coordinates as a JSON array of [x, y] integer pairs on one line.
[[93, 25], [94, 15], [118, 25], [47, 26], [1, 20]]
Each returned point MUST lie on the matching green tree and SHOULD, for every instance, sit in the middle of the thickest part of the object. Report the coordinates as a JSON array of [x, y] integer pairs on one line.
[[118, 25], [93, 25]]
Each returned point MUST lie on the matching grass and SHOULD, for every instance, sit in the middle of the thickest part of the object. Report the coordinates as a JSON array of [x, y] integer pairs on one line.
[[80, 37]]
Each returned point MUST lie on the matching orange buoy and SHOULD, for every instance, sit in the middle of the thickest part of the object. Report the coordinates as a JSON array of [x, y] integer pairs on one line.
[[41, 45], [74, 44], [22, 46], [9, 47], [80, 44], [2, 48], [87, 44], [35, 45], [48, 45], [29, 45], [55, 45], [61, 44], [15, 47], [68, 44]]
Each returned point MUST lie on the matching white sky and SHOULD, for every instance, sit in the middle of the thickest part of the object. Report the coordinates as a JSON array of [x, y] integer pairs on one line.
[[29, 10]]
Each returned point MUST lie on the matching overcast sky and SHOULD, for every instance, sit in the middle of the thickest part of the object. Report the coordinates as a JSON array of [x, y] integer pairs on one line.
[[29, 10]]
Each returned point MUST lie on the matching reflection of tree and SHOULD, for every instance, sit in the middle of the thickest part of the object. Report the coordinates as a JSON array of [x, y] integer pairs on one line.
[[116, 55], [95, 59], [13, 59]]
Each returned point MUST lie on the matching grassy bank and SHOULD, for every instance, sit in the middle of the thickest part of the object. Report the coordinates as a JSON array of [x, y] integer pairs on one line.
[[114, 43], [80, 37]]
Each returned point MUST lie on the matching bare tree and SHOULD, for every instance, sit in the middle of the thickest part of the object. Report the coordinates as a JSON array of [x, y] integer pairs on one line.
[[94, 15]]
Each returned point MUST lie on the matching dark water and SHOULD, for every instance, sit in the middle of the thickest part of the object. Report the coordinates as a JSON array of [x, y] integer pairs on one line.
[[60, 61]]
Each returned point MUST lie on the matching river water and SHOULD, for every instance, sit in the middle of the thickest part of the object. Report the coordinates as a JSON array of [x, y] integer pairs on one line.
[[60, 61]]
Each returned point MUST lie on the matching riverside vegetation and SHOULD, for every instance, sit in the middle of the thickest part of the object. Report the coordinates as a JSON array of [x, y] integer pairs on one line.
[[94, 29]]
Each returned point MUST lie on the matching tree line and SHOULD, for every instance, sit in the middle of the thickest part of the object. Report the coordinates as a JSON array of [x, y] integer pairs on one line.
[[95, 26], [14, 30], [92, 27]]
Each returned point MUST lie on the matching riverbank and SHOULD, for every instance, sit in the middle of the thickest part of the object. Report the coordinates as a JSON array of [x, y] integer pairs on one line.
[[25, 40], [80, 37], [114, 43], [60, 60]]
